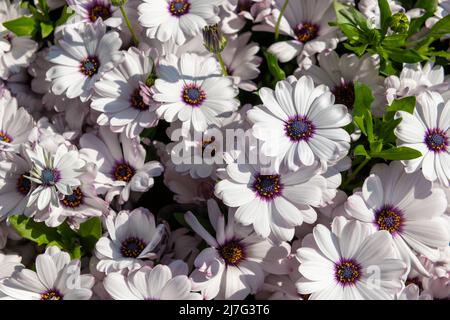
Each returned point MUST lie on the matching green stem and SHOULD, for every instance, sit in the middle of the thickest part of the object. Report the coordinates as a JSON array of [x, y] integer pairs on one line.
[[355, 173], [222, 64], [130, 27], [277, 26]]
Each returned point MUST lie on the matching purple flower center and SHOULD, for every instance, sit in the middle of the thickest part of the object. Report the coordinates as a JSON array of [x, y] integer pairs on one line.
[[179, 7], [232, 252], [299, 128], [52, 294], [436, 140], [347, 272], [193, 95], [123, 172], [345, 94], [49, 176], [306, 31], [389, 218], [99, 10], [73, 200], [268, 186], [132, 247], [89, 66], [137, 102], [23, 185]]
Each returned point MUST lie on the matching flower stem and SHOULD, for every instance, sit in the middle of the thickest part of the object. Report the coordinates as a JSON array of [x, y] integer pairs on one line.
[[130, 27], [277, 26], [222, 64], [355, 173]]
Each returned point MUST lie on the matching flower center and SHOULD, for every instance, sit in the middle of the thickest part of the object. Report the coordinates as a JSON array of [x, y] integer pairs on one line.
[[23, 185], [306, 32], [49, 176], [299, 128], [73, 200], [123, 172], [345, 94], [436, 140], [132, 247], [137, 102], [347, 272], [232, 252], [179, 7], [267, 186], [5, 137], [99, 11], [389, 218], [89, 66], [193, 95], [52, 294]]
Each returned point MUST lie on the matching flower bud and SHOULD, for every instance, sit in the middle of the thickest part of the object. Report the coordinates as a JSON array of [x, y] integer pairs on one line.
[[213, 39], [399, 23]]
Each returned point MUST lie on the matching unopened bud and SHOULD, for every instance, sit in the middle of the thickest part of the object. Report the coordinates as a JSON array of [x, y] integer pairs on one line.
[[399, 23], [213, 39]]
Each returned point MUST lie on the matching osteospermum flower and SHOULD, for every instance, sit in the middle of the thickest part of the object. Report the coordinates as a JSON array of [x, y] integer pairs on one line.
[[192, 90], [274, 203], [241, 61], [348, 263], [160, 283], [428, 131], [54, 173], [89, 11], [80, 57], [177, 20], [15, 52], [407, 207], [132, 237], [306, 22], [120, 163], [56, 278], [299, 123], [15, 125], [119, 97], [234, 264]]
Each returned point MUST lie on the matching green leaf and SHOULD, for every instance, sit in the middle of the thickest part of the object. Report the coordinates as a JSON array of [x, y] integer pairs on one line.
[[65, 15], [398, 153], [35, 231], [430, 7], [42, 4], [360, 151], [440, 29], [90, 231], [363, 99], [376, 147], [385, 15], [404, 55], [46, 29], [406, 104], [274, 68], [23, 26]]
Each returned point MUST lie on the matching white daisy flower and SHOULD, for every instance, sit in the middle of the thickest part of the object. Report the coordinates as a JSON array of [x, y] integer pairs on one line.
[[15, 52], [341, 73], [80, 58], [428, 131], [235, 13], [407, 207], [120, 98], [241, 61], [442, 10], [15, 187], [120, 163], [307, 23], [234, 264], [56, 278], [177, 20], [8, 264], [192, 90], [89, 11], [272, 202], [412, 292], [132, 238], [299, 123], [415, 80], [15, 125], [54, 173], [160, 283], [349, 263]]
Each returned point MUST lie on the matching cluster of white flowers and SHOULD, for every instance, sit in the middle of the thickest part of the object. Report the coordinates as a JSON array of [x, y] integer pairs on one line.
[[95, 111]]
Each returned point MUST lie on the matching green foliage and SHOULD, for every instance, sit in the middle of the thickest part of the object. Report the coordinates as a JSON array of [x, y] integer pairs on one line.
[[77, 243], [272, 64]]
